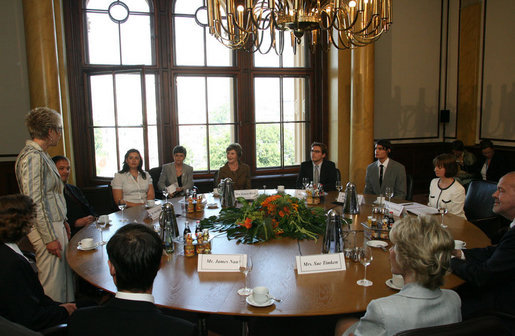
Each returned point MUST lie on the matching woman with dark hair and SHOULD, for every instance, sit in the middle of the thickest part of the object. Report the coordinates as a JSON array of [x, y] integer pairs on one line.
[[494, 166], [39, 179], [444, 190], [421, 253], [22, 298], [132, 184], [238, 171], [177, 173]]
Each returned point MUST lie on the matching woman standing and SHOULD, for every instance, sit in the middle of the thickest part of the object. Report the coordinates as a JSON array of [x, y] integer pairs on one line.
[[238, 171], [444, 190], [132, 184], [39, 179], [177, 172]]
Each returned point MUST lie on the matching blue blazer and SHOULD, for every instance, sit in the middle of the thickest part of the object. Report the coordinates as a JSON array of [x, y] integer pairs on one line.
[[491, 271], [413, 307], [394, 176]]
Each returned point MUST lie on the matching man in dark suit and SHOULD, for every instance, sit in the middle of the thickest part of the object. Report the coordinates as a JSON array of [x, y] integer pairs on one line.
[[318, 169], [22, 298], [385, 172], [134, 254], [79, 213], [490, 271]]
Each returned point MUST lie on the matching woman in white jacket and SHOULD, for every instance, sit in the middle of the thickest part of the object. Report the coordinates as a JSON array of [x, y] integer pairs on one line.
[[444, 190]]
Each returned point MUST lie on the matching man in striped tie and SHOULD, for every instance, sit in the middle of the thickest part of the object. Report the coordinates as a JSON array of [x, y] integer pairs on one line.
[[318, 169]]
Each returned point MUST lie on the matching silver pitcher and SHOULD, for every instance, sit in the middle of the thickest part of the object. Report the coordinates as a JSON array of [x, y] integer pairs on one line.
[[351, 204], [226, 188], [169, 230], [333, 233]]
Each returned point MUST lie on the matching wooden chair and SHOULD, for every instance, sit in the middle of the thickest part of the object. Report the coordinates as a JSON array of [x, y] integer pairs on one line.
[[155, 173]]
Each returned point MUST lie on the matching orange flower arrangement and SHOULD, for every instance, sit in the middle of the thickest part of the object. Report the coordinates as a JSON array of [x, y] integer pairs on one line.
[[269, 217]]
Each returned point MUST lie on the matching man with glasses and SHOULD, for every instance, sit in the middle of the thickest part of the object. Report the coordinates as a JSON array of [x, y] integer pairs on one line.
[[318, 169], [385, 172]]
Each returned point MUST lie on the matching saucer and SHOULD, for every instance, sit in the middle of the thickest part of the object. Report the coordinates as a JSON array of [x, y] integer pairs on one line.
[[390, 284], [212, 205], [377, 243], [79, 247], [250, 301]]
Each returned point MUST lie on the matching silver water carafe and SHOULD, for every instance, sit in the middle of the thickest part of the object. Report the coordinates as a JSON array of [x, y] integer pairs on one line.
[[333, 238], [226, 188], [168, 225], [351, 204]]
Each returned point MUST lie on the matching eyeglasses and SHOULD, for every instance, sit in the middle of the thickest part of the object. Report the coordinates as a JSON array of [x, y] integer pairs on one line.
[[316, 151]]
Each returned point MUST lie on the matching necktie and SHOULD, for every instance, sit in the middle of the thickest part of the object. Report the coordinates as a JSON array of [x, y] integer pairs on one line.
[[316, 177], [381, 167]]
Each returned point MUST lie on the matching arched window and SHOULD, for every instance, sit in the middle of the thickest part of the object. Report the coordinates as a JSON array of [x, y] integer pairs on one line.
[[144, 74]]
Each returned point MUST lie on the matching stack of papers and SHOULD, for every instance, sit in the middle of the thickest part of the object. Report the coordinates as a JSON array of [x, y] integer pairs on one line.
[[420, 209]]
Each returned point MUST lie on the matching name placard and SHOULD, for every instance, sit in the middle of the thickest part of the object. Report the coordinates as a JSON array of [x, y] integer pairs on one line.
[[221, 262], [248, 194], [154, 212], [395, 208], [341, 198], [320, 263]]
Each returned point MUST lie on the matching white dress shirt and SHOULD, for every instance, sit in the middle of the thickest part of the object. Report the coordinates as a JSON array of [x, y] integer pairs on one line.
[[134, 190]]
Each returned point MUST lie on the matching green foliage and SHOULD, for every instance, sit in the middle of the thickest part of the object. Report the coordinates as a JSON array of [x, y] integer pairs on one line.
[[268, 217]]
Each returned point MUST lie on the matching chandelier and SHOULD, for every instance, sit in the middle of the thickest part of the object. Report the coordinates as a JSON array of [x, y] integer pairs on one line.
[[260, 25]]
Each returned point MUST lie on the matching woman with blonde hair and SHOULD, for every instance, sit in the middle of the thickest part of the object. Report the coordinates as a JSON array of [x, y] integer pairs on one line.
[[39, 179], [421, 253]]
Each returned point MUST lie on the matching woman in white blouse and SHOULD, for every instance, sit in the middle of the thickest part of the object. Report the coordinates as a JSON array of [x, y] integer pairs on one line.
[[444, 190], [132, 184]]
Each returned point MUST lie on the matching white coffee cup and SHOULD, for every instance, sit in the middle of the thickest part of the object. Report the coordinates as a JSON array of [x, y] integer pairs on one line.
[[87, 243], [280, 188], [104, 219], [397, 280], [215, 191], [380, 200], [260, 295], [459, 244], [151, 203]]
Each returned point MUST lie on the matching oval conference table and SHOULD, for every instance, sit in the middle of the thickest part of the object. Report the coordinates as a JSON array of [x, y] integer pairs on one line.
[[178, 285]]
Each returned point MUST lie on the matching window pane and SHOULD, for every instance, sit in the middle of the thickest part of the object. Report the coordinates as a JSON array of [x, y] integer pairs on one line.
[[98, 4], [221, 99], [191, 100], [150, 92], [268, 104], [130, 138], [103, 42], [105, 152], [189, 42], [137, 5], [220, 136], [102, 100], [153, 147], [294, 143], [128, 99], [268, 145], [289, 59], [136, 43], [217, 53], [294, 99], [193, 138], [187, 6], [294, 60]]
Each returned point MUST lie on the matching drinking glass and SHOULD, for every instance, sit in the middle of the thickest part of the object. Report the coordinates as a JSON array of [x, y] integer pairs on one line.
[[339, 186], [122, 205], [305, 182], [389, 193], [442, 209], [245, 268], [365, 258], [100, 227], [165, 194], [264, 189]]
